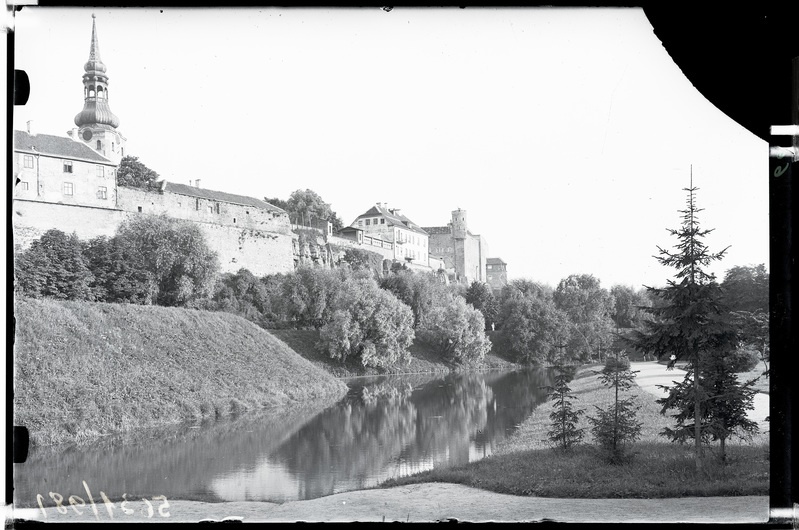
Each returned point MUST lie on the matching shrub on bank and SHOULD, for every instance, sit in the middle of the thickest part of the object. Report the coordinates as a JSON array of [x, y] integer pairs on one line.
[[455, 330], [368, 323]]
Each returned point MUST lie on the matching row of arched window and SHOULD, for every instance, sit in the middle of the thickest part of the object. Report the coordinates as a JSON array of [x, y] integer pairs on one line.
[[102, 93]]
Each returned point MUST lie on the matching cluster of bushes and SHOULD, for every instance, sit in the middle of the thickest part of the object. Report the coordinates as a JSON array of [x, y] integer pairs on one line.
[[575, 322], [360, 315], [150, 260]]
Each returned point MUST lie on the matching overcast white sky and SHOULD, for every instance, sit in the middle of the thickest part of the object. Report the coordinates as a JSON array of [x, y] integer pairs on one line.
[[567, 134]]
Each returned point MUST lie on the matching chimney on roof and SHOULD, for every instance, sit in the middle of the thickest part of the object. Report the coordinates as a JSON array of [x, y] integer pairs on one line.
[[31, 130], [197, 183], [191, 183], [162, 185]]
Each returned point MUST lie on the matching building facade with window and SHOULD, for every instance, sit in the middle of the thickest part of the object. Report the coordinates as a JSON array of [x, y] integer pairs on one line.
[[70, 184], [496, 273], [60, 170], [409, 240]]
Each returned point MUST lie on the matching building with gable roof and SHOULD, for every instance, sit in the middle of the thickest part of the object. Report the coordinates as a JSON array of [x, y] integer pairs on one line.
[[409, 240], [59, 170], [70, 184], [496, 273]]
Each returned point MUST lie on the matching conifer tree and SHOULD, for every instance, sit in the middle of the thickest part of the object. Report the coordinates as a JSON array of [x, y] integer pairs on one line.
[[564, 432], [692, 324], [615, 426]]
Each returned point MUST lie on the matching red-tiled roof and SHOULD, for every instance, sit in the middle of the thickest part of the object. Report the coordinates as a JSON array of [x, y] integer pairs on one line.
[[58, 146], [392, 219], [202, 193]]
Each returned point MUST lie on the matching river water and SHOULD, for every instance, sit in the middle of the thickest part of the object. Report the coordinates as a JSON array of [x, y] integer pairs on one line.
[[384, 427]]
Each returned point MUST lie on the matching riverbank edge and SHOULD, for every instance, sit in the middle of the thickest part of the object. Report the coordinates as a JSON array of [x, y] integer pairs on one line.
[[526, 464], [86, 370], [90, 425]]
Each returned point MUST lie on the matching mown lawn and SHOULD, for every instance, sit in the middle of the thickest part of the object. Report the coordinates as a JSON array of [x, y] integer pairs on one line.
[[526, 464]]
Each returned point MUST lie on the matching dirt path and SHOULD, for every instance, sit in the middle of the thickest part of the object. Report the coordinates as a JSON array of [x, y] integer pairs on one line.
[[440, 501], [651, 374]]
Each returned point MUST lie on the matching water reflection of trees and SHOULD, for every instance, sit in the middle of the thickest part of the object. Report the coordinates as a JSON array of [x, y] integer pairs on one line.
[[178, 462], [365, 436], [384, 426]]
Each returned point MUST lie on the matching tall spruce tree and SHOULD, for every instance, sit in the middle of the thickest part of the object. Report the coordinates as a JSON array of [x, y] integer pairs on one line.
[[692, 324]]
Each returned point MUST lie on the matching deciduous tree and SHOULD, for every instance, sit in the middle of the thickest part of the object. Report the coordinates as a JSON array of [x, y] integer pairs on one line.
[[54, 266], [359, 259], [368, 323], [305, 205], [456, 330], [307, 295], [418, 290], [481, 297], [120, 274], [589, 308], [627, 307], [175, 253], [746, 294], [132, 173], [533, 330]]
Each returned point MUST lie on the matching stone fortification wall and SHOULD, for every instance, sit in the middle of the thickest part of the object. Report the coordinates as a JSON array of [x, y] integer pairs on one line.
[[258, 251], [258, 240], [31, 219], [243, 236], [202, 210], [443, 245]]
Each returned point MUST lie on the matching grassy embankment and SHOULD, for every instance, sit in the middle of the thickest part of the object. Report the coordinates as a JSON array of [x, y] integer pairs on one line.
[[423, 358], [83, 370], [525, 463]]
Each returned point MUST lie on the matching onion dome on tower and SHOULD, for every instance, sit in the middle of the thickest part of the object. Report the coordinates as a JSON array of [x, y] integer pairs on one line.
[[96, 112], [96, 123]]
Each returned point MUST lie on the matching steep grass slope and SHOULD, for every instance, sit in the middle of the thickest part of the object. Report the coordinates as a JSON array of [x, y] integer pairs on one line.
[[83, 369]]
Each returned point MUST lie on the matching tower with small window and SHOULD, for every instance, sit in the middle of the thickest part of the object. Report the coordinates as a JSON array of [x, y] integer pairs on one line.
[[459, 229], [96, 124]]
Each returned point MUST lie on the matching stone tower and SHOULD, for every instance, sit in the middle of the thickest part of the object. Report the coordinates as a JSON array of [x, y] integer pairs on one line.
[[459, 224], [96, 124]]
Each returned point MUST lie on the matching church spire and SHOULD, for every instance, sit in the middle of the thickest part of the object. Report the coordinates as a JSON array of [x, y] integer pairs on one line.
[[94, 63], [96, 113], [96, 124]]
